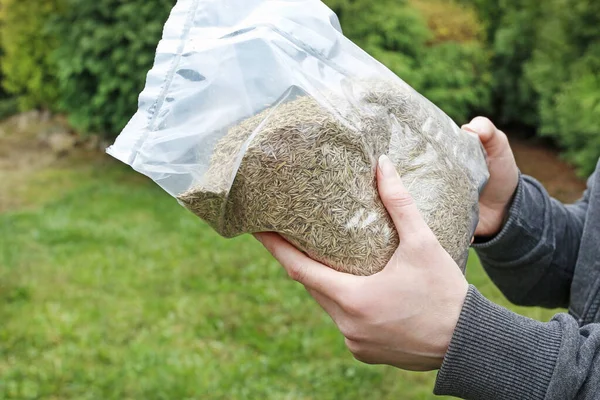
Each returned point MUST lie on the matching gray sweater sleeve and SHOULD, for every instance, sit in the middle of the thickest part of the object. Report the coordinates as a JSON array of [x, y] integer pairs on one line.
[[496, 354], [533, 258]]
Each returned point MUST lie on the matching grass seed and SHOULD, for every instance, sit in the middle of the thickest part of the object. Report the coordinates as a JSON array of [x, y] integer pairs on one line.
[[307, 170]]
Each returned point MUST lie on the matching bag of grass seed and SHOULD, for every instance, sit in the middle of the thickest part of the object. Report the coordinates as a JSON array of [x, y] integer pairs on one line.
[[259, 115]]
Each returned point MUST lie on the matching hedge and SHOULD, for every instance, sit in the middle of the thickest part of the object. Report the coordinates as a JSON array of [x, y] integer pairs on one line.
[[564, 70], [30, 72], [105, 52], [440, 57]]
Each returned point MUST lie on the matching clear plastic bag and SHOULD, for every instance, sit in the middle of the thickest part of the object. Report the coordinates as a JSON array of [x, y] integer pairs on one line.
[[259, 115]]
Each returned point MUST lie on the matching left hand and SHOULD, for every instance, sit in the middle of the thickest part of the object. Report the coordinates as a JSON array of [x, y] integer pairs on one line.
[[496, 198], [404, 315]]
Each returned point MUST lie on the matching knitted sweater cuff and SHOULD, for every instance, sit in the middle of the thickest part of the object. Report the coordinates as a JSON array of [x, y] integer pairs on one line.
[[497, 354]]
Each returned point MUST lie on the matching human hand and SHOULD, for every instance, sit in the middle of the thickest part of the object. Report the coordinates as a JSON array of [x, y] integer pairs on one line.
[[404, 315], [495, 199]]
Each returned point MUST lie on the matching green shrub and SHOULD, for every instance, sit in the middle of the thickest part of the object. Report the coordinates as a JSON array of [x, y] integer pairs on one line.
[[573, 118], [444, 61], [389, 30], [106, 50], [514, 39], [511, 30], [546, 68], [564, 71], [451, 21], [456, 78], [27, 46], [454, 67], [8, 106], [8, 103]]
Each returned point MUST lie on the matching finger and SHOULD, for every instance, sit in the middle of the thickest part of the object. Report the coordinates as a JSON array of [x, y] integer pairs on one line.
[[304, 270], [492, 138], [398, 201], [481, 126]]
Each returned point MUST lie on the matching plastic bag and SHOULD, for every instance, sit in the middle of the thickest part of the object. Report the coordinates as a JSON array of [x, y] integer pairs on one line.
[[259, 115]]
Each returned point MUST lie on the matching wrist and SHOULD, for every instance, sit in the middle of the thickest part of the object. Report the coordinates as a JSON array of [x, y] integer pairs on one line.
[[504, 216], [498, 213], [452, 312], [489, 230]]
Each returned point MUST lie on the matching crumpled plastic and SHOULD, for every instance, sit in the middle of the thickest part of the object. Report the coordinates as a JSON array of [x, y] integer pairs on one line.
[[245, 68]]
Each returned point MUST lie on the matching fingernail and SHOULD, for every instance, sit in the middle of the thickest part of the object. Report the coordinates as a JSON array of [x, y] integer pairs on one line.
[[478, 125], [386, 166]]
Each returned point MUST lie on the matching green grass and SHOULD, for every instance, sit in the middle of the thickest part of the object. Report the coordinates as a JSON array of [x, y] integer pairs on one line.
[[110, 290]]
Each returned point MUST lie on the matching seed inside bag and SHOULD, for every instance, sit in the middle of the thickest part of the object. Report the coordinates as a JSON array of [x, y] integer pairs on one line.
[[306, 169]]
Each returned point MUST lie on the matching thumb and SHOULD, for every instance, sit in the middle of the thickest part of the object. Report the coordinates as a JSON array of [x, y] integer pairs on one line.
[[398, 201], [493, 140]]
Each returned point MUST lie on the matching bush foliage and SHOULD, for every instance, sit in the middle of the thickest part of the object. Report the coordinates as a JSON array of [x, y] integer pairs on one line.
[[545, 70], [29, 71], [440, 57], [105, 51], [512, 43], [564, 71], [451, 21]]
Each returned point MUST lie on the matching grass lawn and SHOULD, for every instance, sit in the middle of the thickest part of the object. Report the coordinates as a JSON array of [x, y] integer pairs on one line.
[[110, 290]]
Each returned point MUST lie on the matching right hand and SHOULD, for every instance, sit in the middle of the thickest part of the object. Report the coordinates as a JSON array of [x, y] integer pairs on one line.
[[495, 199], [404, 315]]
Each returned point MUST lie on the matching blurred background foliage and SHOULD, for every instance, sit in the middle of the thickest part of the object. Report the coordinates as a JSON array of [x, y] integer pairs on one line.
[[103, 46], [29, 71], [529, 63]]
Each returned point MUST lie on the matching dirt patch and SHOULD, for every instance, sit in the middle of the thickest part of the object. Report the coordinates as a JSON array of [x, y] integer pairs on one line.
[[543, 163], [31, 144], [27, 141]]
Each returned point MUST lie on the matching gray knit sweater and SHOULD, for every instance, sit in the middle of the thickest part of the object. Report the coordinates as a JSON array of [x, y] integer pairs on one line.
[[548, 254]]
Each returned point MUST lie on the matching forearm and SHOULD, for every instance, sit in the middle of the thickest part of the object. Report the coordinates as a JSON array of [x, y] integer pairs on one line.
[[497, 354], [532, 259]]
